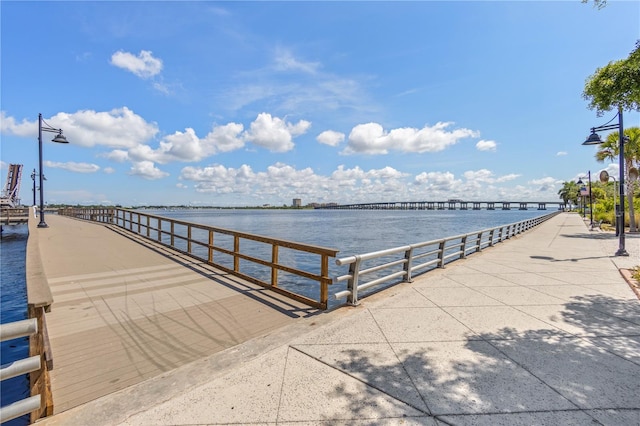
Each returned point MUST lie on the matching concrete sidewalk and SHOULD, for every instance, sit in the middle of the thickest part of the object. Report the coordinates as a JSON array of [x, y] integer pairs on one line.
[[541, 329]]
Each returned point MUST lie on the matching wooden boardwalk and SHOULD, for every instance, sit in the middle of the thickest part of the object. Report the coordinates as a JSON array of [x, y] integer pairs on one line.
[[126, 310]]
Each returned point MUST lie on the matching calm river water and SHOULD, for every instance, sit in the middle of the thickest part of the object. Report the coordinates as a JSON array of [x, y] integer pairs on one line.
[[354, 231], [13, 307], [350, 231]]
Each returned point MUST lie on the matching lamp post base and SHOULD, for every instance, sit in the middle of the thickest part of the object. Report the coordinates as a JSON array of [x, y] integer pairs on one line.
[[622, 252], [44, 225]]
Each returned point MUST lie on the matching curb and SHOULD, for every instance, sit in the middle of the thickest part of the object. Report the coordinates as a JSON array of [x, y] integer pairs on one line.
[[633, 283]]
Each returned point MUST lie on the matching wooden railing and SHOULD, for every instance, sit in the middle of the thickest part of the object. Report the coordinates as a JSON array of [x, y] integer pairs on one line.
[[255, 258], [401, 264], [39, 300], [14, 216]]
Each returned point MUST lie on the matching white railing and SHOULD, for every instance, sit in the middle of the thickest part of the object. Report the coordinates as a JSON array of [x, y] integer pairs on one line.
[[403, 263], [10, 331]]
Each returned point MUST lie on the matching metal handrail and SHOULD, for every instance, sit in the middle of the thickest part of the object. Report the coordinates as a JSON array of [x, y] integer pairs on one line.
[[10, 331], [436, 252]]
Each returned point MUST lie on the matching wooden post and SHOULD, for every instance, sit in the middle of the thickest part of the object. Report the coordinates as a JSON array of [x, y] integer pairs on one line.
[[236, 250], [324, 281], [274, 261], [211, 246], [39, 381]]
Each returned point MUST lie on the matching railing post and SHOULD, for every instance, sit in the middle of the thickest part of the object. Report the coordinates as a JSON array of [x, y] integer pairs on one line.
[[148, 226], [159, 230], [39, 381], [210, 247], [274, 261], [479, 242], [188, 238], [441, 254], [491, 237], [236, 251], [463, 247], [352, 283], [324, 281], [408, 255]]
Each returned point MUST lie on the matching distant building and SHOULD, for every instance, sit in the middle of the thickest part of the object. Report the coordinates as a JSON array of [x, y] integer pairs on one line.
[[297, 202]]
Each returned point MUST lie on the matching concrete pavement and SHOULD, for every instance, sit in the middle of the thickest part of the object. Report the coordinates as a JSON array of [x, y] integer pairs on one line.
[[541, 329]]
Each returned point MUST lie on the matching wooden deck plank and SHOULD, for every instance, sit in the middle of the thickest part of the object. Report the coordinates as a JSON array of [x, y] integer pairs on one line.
[[128, 312]]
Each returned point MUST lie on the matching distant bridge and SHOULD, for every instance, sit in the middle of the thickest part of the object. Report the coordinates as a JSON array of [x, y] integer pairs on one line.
[[446, 205]]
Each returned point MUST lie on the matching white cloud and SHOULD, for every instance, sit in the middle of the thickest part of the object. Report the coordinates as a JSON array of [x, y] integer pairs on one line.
[[117, 155], [73, 166], [440, 181], [118, 128], [285, 61], [507, 178], [227, 137], [371, 138], [280, 182], [310, 91], [330, 137], [284, 181], [147, 170], [561, 153], [545, 184], [144, 65], [187, 146], [109, 170], [487, 176], [270, 132], [486, 145], [275, 134]]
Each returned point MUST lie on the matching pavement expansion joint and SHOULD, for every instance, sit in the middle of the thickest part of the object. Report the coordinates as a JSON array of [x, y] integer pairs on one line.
[[381, 388]]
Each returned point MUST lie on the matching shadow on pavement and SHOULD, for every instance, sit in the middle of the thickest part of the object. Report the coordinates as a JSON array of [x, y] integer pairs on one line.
[[586, 376]]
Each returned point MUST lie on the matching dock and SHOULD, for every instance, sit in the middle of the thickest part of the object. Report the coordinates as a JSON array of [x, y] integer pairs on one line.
[[126, 310]]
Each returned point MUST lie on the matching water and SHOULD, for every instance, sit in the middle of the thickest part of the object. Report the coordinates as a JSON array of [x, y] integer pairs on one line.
[[353, 231], [13, 307], [350, 231]]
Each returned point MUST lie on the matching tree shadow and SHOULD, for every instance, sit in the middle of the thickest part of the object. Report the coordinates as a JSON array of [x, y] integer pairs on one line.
[[585, 373]]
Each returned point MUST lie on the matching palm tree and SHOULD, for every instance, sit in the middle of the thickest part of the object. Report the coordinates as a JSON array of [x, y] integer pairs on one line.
[[569, 193], [610, 149]]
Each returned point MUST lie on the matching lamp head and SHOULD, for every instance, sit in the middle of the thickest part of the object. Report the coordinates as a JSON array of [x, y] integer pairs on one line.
[[580, 181], [633, 174], [60, 138], [593, 139], [604, 176]]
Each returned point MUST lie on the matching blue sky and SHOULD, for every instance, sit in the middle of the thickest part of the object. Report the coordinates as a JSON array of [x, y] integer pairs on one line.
[[252, 103]]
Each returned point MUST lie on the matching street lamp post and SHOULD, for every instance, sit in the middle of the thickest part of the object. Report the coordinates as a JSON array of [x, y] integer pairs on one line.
[[59, 138], [590, 198], [594, 139]]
